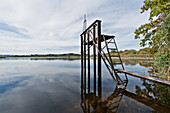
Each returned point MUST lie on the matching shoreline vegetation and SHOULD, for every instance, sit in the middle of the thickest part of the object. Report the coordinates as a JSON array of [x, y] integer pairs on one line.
[[68, 55], [155, 34], [126, 54]]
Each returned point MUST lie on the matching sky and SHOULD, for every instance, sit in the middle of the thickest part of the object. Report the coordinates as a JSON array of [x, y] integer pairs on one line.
[[54, 26]]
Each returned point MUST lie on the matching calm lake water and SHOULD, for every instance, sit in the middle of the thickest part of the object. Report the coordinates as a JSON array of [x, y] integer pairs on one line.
[[53, 86]]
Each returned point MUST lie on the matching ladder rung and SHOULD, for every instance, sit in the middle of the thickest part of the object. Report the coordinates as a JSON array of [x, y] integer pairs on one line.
[[114, 107], [114, 96], [114, 102], [116, 63], [110, 42], [114, 55], [112, 48]]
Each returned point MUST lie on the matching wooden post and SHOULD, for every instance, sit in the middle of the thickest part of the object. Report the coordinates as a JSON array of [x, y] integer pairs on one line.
[[88, 63], [85, 63], [99, 58], [81, 66], [94, 60]]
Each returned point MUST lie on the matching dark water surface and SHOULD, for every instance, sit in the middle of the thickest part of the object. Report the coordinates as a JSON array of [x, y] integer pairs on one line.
[[53, 86]]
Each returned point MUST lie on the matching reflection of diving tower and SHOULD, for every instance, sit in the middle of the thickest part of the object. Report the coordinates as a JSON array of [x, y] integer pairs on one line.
[[92, 37], [91, 103]]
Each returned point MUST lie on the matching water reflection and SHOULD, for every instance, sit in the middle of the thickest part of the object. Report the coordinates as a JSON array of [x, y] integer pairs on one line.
[[53, 86], [133, 62], [39, 58], [158, 96], [43, 86], [149, 97], [91, 103]]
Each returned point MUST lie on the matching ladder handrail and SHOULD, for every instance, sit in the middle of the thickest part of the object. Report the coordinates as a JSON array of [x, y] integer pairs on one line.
[[120, 58]]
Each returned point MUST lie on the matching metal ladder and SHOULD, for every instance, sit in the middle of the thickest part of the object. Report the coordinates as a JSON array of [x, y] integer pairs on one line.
[[108, 60], [113, 42]]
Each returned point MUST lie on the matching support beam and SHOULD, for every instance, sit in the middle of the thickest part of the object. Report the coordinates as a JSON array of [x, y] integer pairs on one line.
[[88, 64], [94, 60], [99, 58], [84, 64]]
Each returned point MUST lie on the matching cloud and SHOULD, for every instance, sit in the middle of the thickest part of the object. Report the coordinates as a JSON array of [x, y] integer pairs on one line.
[[47, 26], [5, 27]]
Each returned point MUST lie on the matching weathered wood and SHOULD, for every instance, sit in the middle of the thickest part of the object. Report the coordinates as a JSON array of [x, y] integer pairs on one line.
[[99, 58], [107, 37], [157, 80], [81, 65], [93, 24], [84, 64], [94, 60], [88, 65]]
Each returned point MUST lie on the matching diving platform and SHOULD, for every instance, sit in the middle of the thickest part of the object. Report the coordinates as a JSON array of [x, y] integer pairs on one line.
[[107, 37]]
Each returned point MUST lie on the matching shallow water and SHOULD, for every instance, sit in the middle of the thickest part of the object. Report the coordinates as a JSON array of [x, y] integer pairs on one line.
[[53, 86]]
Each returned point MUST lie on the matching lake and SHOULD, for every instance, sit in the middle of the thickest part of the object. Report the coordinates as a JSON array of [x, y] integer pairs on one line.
[[53, 86]]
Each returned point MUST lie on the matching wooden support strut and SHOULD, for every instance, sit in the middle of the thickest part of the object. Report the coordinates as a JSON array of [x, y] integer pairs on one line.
[[88, 65], [99, 58], [84, 64], [94, 61]]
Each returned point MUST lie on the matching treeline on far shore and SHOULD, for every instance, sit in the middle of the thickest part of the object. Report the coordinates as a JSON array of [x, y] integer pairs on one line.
[[2, 57], [44, 55], [145, 52]]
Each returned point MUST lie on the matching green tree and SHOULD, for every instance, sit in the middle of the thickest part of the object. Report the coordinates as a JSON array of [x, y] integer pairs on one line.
[[156, 34]]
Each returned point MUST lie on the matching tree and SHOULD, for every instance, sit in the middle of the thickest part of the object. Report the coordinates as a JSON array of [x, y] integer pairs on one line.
[[156, 34]]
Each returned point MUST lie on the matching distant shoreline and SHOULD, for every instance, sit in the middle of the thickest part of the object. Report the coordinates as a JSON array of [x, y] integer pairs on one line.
[[72, 57]]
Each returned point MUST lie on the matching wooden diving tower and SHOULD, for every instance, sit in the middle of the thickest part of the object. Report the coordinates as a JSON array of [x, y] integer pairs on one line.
[[92, 37], [102, 45]]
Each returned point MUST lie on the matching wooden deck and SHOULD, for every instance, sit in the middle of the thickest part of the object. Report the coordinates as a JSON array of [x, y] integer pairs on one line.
[[157, 80]]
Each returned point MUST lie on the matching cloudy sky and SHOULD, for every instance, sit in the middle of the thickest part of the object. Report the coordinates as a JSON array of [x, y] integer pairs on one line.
[[54, 26]]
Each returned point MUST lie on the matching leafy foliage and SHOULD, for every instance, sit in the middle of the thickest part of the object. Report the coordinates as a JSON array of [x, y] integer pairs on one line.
[[156, 33]]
